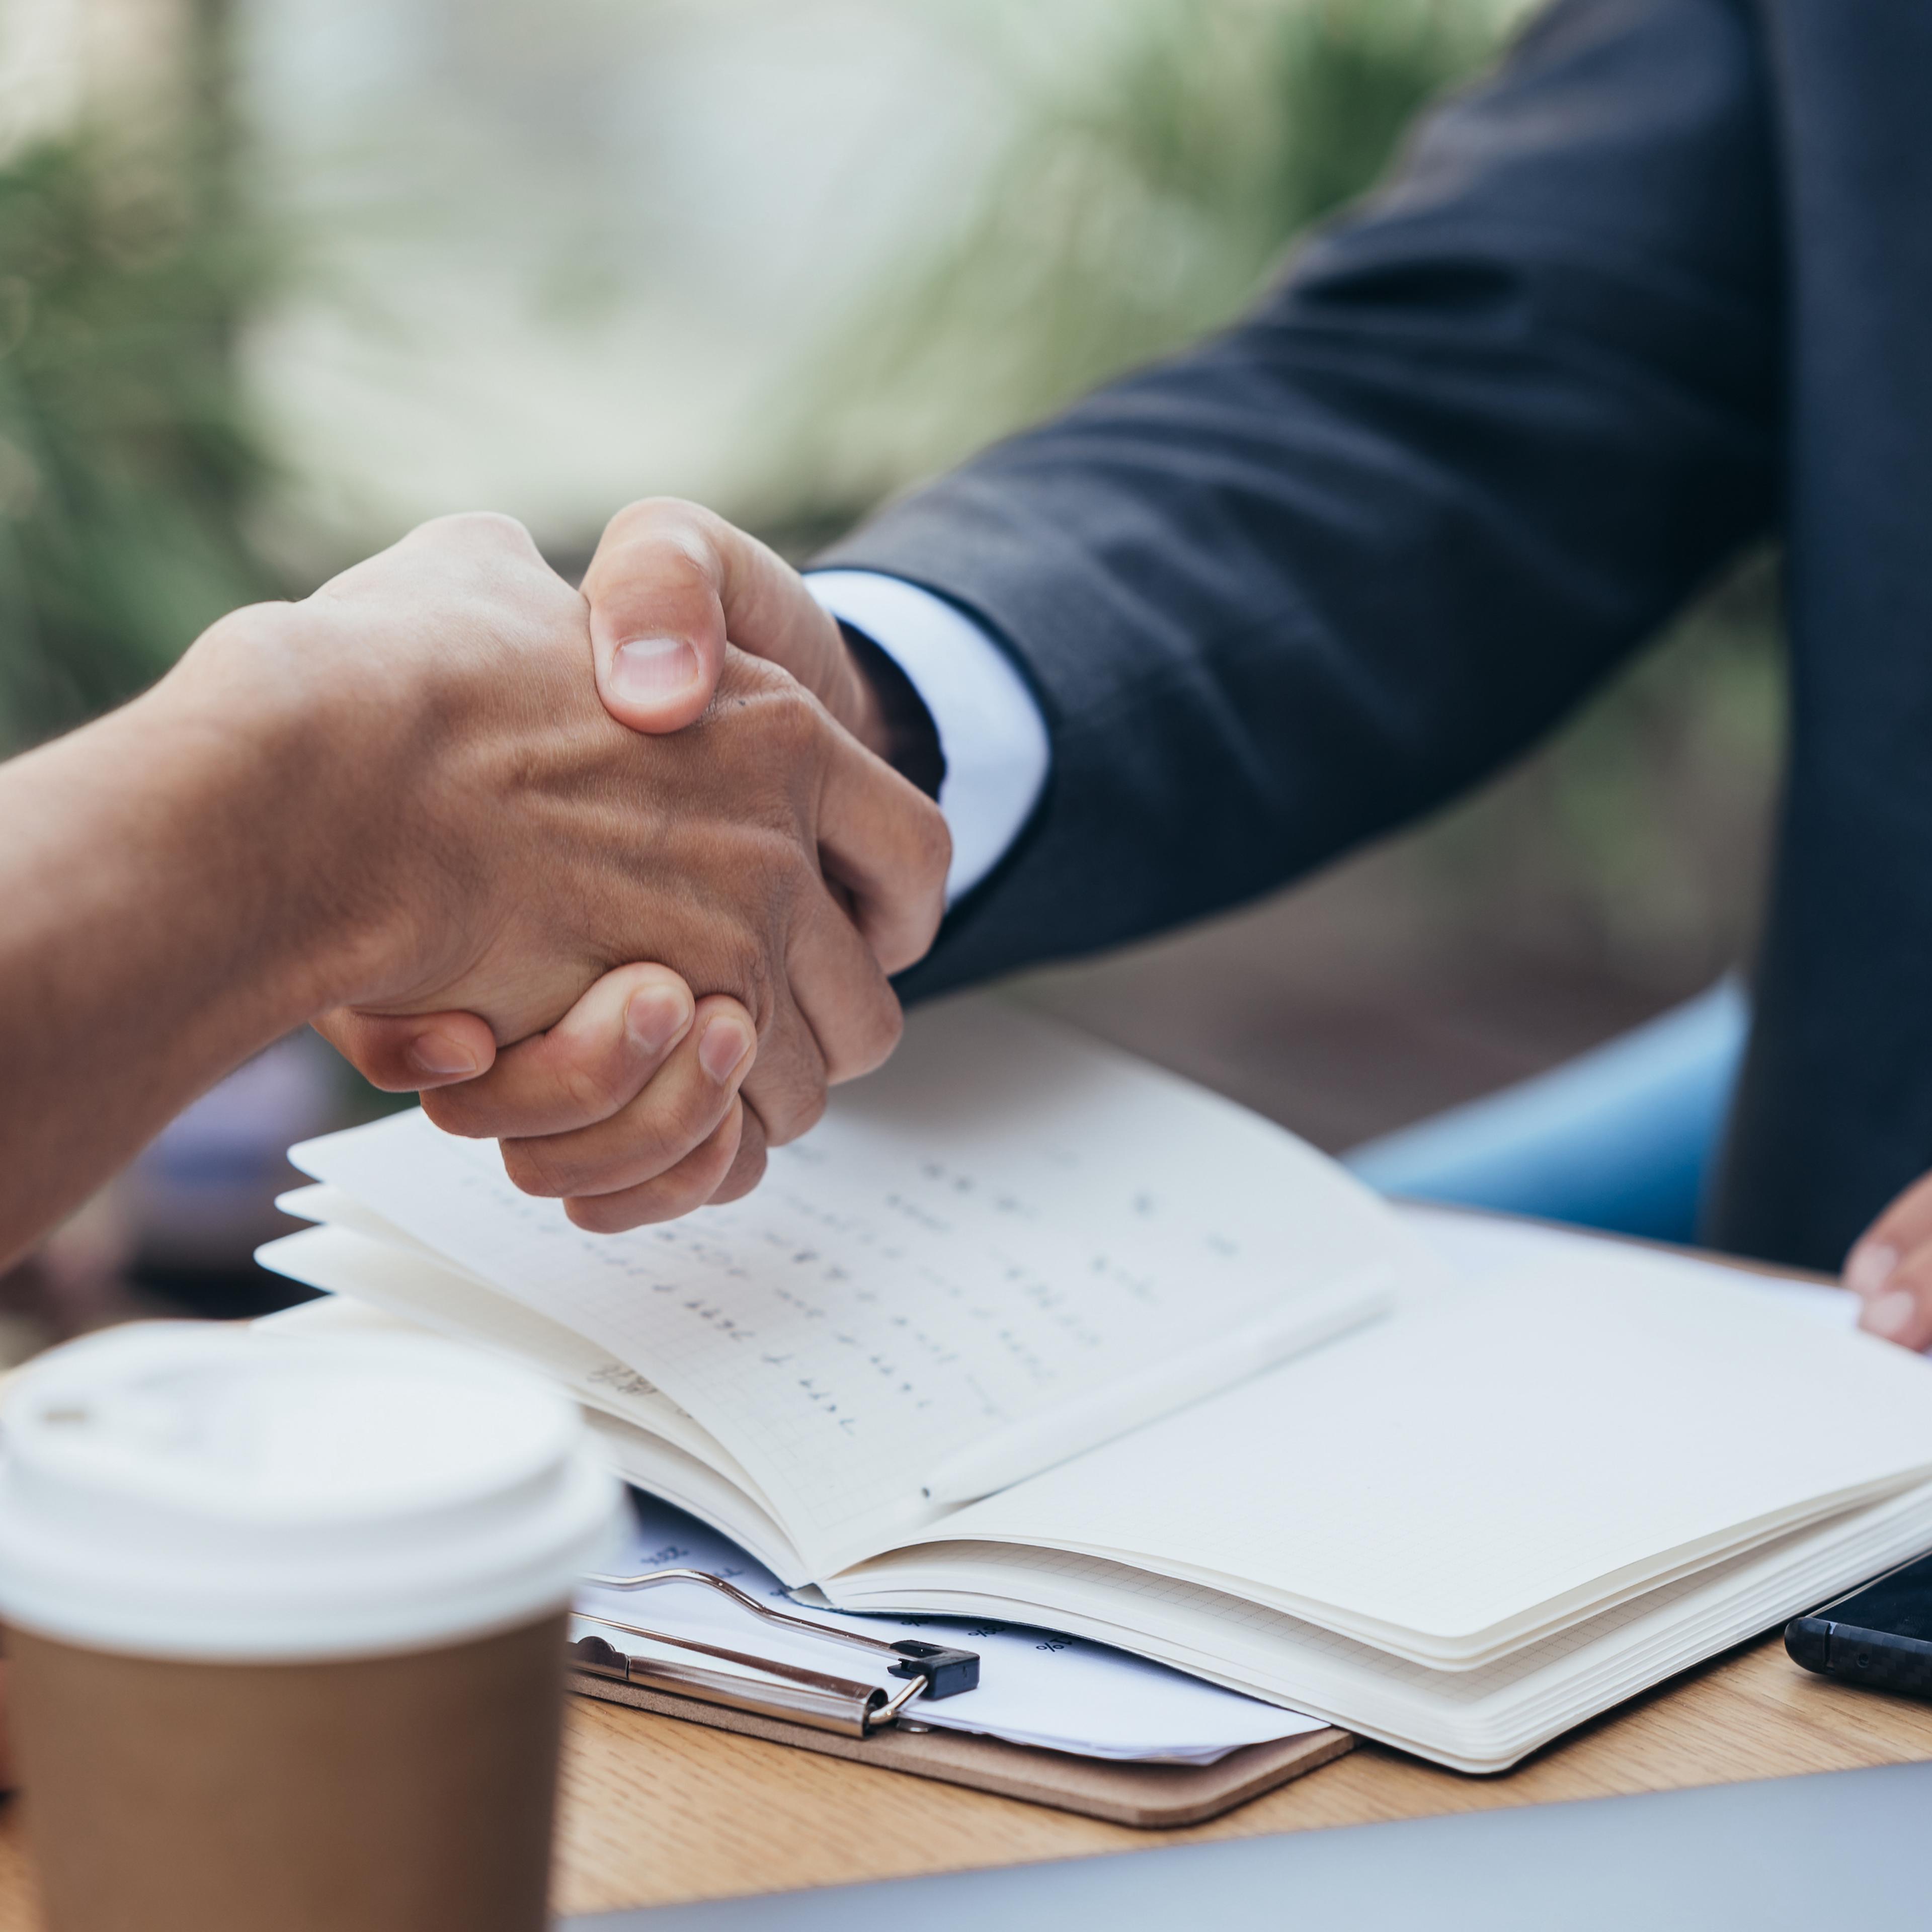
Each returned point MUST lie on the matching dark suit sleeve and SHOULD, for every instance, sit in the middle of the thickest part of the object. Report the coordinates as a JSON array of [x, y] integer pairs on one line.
[[1321, 571]]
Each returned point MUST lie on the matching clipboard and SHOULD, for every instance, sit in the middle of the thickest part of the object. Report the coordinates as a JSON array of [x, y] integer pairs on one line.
[[817, 1711]]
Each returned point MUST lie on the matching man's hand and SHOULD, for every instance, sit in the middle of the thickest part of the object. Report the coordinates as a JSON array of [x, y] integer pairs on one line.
[[708, 849], [628, 1109], [673, 591], [402, 796], [703, 849], [1890, 1269]]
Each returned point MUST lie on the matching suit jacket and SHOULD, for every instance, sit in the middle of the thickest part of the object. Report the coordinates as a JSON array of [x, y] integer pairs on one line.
[[1662, 286]]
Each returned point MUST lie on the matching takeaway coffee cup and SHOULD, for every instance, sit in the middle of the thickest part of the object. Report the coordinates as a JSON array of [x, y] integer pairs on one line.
[[286, 1625]]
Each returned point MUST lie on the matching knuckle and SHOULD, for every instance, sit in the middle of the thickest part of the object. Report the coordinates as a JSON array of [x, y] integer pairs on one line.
[[810, 1111], [869, 1040], [664, 1199], [682, 529], [887, 1028], [626, 522], [681, 1192], [660, 512], [532, 1169], [935, 846], [591, 1092], [494, 527], [745, 1173], [605, 1213], [905, 938], [674, 1128], [802, 724], [456, 1110], [796, 1110], [686, 522], [745, 1167], [778, 701], [681, 570]]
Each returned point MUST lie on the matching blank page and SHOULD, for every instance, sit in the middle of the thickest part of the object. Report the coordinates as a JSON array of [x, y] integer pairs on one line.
[[1479, 1720], [1517, 1454]]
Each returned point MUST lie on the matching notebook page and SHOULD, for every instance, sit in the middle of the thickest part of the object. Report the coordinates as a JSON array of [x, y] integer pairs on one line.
[[1482, 1720], [645, 1459], [1479, 1245], [407, 1282], [1514, 1454], [1007, 1217]]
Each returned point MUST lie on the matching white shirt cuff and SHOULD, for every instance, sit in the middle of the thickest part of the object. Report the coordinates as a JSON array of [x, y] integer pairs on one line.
[[991, 732]]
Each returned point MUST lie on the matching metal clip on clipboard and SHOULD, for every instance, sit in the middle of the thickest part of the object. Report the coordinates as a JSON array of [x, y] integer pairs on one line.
[[813, 1697]]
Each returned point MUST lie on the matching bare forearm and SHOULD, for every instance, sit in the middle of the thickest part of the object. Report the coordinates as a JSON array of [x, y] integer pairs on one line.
[[165, 916], [402, 796]]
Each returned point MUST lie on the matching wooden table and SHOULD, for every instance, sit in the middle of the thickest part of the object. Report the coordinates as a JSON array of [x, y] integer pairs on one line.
[[655, 1812]]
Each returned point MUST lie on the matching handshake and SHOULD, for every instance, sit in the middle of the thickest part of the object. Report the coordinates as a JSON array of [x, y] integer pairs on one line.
[[615, 877]]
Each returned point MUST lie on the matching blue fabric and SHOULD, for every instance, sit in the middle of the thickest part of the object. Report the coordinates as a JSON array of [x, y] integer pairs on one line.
[[1657, 289], [1622, 1138]]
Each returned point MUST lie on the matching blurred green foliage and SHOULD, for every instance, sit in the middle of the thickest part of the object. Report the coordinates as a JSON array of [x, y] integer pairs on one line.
[[126, 461], [1156, 167]]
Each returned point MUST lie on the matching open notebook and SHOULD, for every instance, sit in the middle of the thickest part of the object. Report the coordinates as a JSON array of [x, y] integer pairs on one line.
[[1297, 1455]]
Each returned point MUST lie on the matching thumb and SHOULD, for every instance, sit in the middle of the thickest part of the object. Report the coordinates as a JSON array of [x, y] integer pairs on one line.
[[657, 617], [669, 583], [410, 1053]]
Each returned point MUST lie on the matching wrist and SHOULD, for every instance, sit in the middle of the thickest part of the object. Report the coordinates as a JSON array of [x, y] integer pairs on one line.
[[172, 909], [892, 720]]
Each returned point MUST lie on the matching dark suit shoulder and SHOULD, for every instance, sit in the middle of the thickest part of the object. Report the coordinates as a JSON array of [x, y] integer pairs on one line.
[[1481, 437]]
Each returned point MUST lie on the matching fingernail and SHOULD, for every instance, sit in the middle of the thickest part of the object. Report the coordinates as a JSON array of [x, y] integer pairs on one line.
[[656, 1015], [1869, 1269], [1890, 1316], [437, 1054], [647, 669], [725, 1043]]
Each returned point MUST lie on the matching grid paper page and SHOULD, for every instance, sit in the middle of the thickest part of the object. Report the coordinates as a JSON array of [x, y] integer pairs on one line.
[[1511, 1456], [1007, 1217]]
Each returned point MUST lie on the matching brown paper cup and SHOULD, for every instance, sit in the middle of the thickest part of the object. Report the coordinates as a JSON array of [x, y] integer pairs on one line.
[[390, 1794], [286, 1625]]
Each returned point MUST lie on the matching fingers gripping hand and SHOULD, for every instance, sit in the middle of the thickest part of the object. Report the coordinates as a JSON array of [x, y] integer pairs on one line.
[[786, 946], [527, 841], [1890, 1269], [628, 1109], [595, 1060]]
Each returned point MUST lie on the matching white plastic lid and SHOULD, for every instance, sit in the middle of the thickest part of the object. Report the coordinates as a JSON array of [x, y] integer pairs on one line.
[[172, 1490]]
